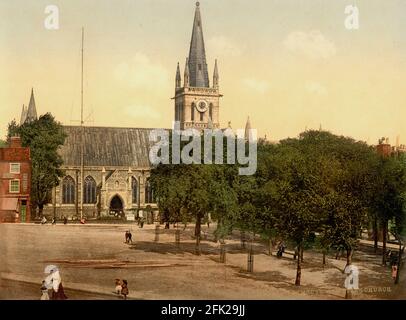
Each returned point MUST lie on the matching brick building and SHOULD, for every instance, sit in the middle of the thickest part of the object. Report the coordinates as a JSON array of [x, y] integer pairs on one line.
[[15, 182], [385, 149]]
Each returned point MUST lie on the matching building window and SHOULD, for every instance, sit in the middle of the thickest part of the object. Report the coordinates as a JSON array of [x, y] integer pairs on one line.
[[200, 67], [211, 111], [192, 112], [89, 190], [14, 186], [68, 190], [134, 188], [201, 116], [149, 193], [15, 168]]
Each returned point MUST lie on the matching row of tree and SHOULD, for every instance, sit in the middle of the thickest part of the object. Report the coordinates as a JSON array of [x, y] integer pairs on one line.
[[317, 188]]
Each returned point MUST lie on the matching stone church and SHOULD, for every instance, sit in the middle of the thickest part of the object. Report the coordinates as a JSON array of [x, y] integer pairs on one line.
[[116, 160]]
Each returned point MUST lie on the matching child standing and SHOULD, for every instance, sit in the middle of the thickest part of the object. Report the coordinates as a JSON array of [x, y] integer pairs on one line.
[[124, 290], [44, 290], [118, 286], [394, 271]]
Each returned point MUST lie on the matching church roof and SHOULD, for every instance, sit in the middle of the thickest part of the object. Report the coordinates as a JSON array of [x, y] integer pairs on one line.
[[198, 74], [107, 146]]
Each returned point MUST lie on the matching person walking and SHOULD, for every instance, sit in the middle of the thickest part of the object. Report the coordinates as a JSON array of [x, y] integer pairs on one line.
[[54, 281]]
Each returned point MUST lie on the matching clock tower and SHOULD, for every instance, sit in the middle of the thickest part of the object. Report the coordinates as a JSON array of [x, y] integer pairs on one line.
[[196, 102]]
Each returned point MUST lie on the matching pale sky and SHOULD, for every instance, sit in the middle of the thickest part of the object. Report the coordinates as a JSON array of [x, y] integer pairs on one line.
[[288, 64]]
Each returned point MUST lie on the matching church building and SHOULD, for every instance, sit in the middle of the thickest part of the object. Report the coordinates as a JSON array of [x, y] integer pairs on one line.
[[116, 166]]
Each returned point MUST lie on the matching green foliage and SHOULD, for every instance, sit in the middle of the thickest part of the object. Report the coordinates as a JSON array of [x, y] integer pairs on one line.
[[44, 136], [318, 182]]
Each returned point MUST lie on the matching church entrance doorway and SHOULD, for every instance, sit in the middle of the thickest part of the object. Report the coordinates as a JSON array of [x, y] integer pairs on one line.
[[116, 206]]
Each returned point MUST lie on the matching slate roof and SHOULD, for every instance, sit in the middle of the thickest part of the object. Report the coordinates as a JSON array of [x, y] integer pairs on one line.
[[107, 146]]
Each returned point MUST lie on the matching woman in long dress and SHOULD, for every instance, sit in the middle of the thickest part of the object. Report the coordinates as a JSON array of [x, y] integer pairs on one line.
[[54, 282]]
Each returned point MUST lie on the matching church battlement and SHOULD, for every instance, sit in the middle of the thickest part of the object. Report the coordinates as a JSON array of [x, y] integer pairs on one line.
[[197, 90]]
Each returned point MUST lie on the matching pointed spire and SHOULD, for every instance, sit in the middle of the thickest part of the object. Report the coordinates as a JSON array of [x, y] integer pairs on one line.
[[178, 78], [247, 134], [215, 76], [186, 82], [23, 115], [199, 76], [32, 109]]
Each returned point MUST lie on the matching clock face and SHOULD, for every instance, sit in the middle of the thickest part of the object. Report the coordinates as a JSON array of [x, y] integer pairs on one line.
[[201, 106]]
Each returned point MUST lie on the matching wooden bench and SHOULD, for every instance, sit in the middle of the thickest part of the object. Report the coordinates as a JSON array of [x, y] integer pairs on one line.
[[292, 253], [287, 252]]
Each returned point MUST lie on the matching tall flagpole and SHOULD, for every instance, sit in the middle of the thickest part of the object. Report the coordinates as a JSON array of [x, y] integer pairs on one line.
[[82, 137]]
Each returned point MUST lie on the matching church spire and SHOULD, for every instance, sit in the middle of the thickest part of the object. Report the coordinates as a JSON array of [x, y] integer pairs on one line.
[[186, 82], [178, 78], [199, 76], [32, 109], [23, 115], [215, 76]]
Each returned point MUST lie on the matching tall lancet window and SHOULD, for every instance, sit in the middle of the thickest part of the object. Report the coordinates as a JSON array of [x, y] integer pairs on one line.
[[201, 116], [68, 190], [134, 188], [89, 190], [149, 193], [192, 112]]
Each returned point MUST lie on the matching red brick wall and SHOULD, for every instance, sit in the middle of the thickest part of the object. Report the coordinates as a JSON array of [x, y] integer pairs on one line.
[[16, 155]]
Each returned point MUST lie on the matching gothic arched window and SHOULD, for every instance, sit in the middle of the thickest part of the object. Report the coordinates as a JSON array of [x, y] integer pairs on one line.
[[192, 112], [134, 188], [68, 190], [89, 190], [149, 192]]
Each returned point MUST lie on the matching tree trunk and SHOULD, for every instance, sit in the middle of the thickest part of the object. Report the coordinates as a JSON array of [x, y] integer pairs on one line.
[[399, 263], [375, 232], [301, 255], [299, 266], [40, 209], [270, 246], [197, 232], [324, 258], [384, 236], [349, 256]]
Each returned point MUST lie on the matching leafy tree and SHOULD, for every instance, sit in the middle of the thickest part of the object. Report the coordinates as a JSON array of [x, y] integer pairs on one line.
[[390, 197], [44, 136]]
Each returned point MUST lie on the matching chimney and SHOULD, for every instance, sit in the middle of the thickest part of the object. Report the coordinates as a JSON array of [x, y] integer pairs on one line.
[[15, 142]]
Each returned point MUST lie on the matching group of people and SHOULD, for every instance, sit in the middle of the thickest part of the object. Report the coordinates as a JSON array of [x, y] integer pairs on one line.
[[128, 237], [44, 220], [122, 288], [52, 281], [281, 249]]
